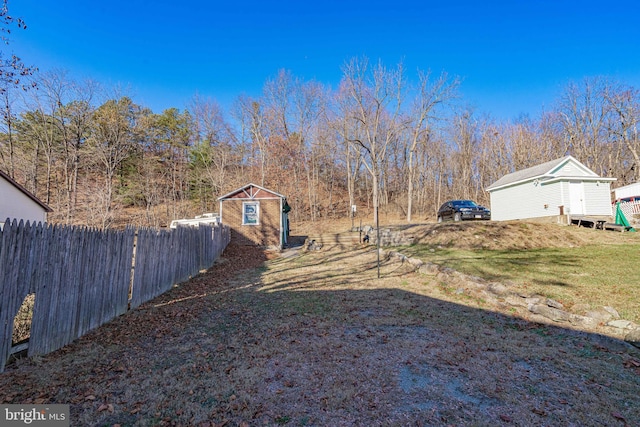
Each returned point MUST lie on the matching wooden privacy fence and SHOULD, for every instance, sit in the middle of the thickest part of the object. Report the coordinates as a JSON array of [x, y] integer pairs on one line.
[[82, 277]]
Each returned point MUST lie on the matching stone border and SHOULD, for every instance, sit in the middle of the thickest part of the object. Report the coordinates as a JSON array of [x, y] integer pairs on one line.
[[548, 309]]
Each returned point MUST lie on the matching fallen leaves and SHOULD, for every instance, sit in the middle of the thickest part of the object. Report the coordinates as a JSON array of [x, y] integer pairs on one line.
[[218, 352], [506, 418], [540, 412], [618, 417], [106, 407]]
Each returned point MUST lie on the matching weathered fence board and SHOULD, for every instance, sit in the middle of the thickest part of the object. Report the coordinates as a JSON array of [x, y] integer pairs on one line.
[[83, 278]]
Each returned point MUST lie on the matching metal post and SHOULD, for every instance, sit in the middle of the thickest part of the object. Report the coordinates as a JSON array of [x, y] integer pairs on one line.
[[378, 238]]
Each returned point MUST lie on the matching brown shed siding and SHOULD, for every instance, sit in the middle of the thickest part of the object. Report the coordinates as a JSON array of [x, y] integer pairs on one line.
[[265, 233], [267, 225]]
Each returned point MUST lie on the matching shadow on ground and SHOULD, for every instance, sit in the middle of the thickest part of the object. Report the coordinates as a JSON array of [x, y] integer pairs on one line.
[[259, 341]]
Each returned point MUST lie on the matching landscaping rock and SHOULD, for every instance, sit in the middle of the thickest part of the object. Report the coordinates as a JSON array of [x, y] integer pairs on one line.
[[599, 315], [540, 306], [633, 337], [417, 263], [498, 289], [621, 324], [580, 308], [533, 299], [312, 245], [611, 311], [554, 304], [583, 321], [516, 300], [551, 313], [429, 268]]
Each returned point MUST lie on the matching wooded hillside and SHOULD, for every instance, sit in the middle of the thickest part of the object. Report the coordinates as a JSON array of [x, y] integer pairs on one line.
[[406, 140]]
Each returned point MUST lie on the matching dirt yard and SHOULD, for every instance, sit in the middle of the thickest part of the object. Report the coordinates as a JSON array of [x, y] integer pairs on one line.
[[317, 339]]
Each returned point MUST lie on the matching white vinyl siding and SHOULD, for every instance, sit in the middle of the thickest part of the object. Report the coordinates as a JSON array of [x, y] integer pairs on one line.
[[573, 169], [526, 200], [597, 198], [539, 192], [14, 204]]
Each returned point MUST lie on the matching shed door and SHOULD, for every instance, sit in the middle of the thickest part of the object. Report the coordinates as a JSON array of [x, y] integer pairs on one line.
[[576, 197]]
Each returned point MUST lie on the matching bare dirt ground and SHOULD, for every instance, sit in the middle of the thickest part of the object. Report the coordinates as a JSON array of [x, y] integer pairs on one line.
[[316, 338]]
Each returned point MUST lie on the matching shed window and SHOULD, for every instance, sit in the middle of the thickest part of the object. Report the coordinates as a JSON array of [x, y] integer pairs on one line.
[[250, 213]]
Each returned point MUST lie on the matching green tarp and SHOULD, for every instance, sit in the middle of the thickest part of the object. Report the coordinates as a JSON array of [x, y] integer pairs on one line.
[[621, 219]]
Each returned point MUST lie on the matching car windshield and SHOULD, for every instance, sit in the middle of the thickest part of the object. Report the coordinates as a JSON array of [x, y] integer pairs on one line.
[[464, 204]]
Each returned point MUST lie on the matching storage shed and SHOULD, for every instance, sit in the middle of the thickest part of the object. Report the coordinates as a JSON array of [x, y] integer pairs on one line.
[[16, 202], [256, 216], [560, 187]]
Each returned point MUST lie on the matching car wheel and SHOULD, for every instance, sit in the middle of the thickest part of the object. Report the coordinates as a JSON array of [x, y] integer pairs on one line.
[[456, 217]]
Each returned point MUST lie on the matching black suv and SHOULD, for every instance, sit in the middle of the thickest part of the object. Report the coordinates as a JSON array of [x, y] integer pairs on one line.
[[458, 210]]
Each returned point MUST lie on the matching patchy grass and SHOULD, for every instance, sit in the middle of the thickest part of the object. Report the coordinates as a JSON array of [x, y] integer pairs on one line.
[[596, 275], [317, 339]]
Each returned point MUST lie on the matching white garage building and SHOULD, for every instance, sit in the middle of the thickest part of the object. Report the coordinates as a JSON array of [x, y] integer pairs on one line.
[[560, 187]]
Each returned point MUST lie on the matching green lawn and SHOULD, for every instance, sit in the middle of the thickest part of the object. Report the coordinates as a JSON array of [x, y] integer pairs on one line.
[[593, 275]]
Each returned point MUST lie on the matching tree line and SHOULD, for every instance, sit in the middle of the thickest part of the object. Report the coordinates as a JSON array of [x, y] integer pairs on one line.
[[405, 142], [381, 138]]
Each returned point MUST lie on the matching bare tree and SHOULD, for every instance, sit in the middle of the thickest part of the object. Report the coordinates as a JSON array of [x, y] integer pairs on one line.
[[59, 123], [429, 96], [293, 109], [583, 113], [112, 142], [377, 96], [75, 123], [465, 142], [212, 155], [173, 132], [623, 126], [251, 116], [339, 119], [39, 135], [14, 75]]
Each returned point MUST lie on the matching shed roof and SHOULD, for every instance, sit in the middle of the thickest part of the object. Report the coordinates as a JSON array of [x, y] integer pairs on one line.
[[250, 191], [543, 171], [25, 191]]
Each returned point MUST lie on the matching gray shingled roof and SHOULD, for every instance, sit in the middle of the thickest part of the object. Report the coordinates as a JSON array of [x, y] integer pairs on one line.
[[529, 173]]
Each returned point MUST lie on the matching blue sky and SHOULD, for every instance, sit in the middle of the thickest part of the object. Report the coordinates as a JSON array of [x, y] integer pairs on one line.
[[514, 57]]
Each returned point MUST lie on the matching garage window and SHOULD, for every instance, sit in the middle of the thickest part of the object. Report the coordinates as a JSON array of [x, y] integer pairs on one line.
[[250, 213]]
